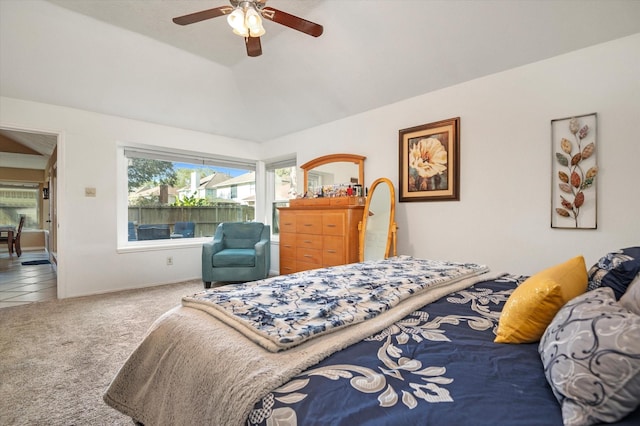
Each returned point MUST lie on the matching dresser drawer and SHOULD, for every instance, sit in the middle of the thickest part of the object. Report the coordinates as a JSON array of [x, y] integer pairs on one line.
[[312, 241], [287, 222], [288, 239], [287, 246], [304, 266], [316, 234], [309, 224], [310, 256], [333, 251], [287, 266], [333, 224]]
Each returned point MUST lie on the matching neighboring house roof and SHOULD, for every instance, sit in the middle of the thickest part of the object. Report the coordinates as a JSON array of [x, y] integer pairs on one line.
[[246, 178], [207, 182], [211, 180], [148, 192]]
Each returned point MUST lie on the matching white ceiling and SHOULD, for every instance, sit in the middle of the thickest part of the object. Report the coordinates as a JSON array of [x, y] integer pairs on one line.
[[38, 142], [41, 143], [127, 58]]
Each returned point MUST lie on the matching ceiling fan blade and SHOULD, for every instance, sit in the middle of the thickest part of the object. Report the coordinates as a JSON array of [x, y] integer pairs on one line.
[[254, 47], [192, 18], [292, 21]]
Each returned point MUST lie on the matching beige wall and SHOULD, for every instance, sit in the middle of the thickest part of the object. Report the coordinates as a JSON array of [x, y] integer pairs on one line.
[[32, 239], [21, 175], [90, 155], [502, 218]]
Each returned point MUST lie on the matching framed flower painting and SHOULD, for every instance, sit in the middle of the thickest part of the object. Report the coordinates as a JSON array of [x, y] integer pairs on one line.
[[573, 178], [430, 162]]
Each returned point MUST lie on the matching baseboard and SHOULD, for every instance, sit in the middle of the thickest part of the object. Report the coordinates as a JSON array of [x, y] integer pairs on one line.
[[33, 248]]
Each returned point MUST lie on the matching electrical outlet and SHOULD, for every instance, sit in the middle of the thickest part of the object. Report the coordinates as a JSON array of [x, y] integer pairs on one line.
[[169, 260]]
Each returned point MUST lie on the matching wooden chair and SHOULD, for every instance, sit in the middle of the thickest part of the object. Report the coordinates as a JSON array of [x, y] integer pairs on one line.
[[16, 238], [14, 244]]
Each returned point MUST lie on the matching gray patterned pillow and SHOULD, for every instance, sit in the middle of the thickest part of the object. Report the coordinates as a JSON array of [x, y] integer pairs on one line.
[[591, 358], [631, 298]]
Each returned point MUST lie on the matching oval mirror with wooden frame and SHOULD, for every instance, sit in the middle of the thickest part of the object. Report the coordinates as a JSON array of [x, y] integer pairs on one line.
[[378, 226], [332, 159]]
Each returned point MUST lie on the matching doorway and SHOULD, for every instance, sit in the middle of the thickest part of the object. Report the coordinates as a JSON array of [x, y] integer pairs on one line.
[[28, 186]]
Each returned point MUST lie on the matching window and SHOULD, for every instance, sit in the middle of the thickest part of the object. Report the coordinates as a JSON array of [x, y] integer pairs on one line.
[[173, 196], [20, 199], [282, 178]]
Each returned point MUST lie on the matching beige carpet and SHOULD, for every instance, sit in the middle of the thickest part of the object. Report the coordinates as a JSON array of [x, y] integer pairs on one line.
[[57, 358]]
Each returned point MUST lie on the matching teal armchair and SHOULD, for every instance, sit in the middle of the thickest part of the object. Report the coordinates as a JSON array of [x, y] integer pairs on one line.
[[239, 252]]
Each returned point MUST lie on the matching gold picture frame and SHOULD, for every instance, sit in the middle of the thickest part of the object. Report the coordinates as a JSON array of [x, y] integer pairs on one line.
[[429, 162]]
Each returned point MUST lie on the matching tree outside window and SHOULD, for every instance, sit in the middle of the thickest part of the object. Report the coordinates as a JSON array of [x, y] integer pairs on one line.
[[166, 196]]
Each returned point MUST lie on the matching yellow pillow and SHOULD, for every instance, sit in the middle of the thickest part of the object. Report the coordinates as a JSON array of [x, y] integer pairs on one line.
[[532, 306]]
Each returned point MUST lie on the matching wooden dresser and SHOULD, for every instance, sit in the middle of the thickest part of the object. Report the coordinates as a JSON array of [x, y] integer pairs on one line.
[[319, 232]]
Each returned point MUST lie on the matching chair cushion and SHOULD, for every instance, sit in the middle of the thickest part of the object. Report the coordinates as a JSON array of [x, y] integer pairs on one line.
[[234, 258], [241, 235]]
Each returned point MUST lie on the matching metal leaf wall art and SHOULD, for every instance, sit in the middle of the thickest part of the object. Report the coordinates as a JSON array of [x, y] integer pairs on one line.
[[575, 172]]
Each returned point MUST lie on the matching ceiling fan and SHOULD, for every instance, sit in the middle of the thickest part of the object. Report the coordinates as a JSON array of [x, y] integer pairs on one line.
[[245, 17]]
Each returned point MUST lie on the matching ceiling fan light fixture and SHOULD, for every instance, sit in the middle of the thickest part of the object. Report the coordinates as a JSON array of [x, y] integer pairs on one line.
[[253, 21], [236, 20], [242, 32], [246, 20]]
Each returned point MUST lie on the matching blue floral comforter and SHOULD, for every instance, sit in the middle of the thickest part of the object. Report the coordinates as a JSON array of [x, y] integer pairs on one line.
[[437, 366], [284, 311]]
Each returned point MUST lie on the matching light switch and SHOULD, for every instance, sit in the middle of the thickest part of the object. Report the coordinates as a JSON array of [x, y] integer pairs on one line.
[[89, 192]]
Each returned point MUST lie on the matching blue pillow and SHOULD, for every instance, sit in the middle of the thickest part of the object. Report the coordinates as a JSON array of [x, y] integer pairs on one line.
[[616, 270]]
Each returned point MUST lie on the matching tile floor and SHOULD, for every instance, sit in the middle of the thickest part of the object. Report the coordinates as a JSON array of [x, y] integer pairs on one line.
[[22, 284]]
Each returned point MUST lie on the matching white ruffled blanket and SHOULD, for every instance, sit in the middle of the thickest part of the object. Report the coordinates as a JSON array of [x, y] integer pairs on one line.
[[191, 368], [281, 312]]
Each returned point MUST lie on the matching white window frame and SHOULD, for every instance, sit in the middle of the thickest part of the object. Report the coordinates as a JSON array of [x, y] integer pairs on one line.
[[168, 154]]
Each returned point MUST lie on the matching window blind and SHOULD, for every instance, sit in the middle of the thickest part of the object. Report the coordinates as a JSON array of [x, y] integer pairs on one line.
[[179, 157]]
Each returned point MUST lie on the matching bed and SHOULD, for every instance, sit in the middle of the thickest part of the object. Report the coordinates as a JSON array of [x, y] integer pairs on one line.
[[419, 351]]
